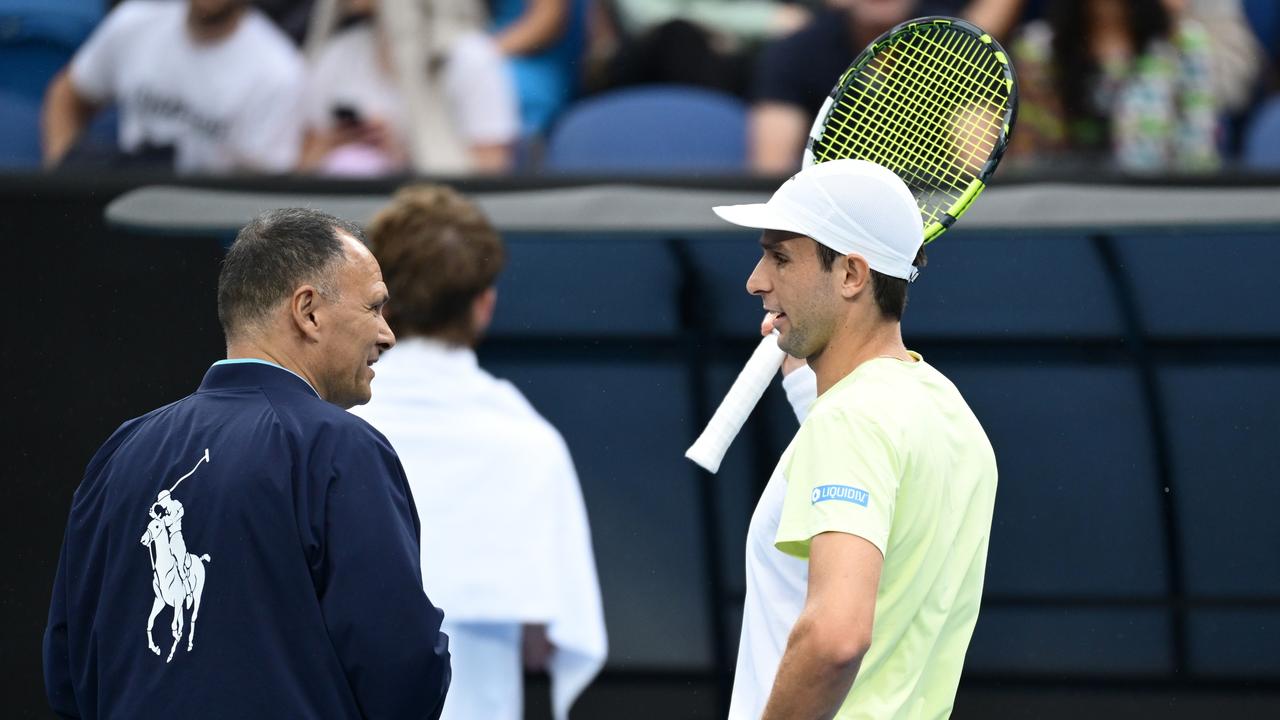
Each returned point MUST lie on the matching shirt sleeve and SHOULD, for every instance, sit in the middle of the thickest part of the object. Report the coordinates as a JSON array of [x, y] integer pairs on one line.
[[843, 476], [57, 664], [801, 386], [482, 91], [95, 66], [776, 80], [383, 627]]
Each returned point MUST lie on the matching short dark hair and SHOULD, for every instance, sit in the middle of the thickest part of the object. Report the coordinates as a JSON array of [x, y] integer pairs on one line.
[[274, 254], [890, 292], [438, 253]]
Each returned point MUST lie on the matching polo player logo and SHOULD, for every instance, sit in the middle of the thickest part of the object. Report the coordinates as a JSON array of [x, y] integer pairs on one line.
[[177, 576]]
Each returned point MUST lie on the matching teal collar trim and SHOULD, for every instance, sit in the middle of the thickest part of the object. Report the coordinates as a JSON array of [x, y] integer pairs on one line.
[[259, 361]]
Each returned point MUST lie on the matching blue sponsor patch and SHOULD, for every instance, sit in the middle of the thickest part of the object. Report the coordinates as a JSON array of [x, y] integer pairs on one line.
[[846, 493]]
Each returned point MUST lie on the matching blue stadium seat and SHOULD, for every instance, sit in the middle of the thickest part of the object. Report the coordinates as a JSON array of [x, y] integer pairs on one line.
[[1223, 444], [1115, 641], [38, 38], [558, 286], [1235, 642], [19, 132], [641, 496], [1262, 138], [1226, 288], [1077, 472], [653, 130]]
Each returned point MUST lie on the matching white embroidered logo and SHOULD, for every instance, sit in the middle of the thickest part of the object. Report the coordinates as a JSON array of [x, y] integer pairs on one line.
[[177, 577]]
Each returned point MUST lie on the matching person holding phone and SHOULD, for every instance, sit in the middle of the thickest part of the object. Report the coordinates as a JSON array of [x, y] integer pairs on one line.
[[357, 122]]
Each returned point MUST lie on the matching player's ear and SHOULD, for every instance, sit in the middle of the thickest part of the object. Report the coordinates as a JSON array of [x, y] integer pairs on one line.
[[303, 307], [855, 275]]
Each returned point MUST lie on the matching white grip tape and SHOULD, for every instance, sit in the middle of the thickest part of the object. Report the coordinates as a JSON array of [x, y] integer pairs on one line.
[[709, 449]]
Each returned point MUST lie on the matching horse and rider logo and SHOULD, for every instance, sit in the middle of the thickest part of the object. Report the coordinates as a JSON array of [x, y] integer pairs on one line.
[[177, 576]]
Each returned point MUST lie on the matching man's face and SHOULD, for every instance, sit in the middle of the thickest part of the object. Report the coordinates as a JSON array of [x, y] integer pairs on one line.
[[354, 330], [790, 281]]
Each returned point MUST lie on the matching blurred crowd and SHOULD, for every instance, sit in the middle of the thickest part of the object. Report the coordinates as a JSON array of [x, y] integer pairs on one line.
[[364, 88]]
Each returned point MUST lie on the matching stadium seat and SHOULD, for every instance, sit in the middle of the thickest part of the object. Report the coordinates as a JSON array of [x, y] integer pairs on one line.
[[19, 132], [640, 492], [1262, 138], [565, 287], [651, 130], [1221, 432], [38, 38], [1156, 265]]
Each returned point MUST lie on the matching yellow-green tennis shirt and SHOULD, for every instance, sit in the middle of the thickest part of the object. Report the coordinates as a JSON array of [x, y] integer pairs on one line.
[[893, 454]]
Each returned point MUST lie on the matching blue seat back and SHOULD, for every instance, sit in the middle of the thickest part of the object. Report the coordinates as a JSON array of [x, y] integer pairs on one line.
[[38, 38], [652, 129]]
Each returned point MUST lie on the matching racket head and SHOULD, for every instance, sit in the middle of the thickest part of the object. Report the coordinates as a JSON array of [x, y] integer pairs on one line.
[[934, 99]]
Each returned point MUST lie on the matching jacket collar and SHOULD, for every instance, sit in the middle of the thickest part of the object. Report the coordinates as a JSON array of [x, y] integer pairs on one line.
[[252, 372]]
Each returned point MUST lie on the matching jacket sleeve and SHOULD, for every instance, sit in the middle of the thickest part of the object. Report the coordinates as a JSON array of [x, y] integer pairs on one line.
[[383, 627], [57, 664]]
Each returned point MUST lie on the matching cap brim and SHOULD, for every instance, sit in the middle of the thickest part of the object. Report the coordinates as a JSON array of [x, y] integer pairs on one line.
[[758, 215]]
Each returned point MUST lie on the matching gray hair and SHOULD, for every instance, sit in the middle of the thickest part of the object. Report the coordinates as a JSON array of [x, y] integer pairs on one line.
[[274, 254]]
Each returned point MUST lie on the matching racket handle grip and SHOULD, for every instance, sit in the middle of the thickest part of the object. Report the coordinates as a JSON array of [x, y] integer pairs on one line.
[[709, 449]]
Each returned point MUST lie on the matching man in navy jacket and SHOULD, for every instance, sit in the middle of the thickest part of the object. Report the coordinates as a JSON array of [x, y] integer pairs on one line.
[[251, 551]]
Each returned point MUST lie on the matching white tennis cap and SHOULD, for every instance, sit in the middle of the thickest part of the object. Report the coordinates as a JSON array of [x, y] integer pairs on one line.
[[851, 206]]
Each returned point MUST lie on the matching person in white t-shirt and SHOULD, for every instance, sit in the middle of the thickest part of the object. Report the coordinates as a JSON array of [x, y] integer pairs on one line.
[[356, 119], [506, 547], [867, 551], [213, 82]]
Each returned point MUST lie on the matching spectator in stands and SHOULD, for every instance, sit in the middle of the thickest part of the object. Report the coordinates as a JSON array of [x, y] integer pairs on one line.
[[356, 119], [543, 41], [794, 75], [706, 43], [1126, 82], [1236, 57], [504, 529], [203, 86]]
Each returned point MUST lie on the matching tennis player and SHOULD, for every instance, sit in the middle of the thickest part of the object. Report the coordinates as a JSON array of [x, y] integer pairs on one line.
[[866, 552]]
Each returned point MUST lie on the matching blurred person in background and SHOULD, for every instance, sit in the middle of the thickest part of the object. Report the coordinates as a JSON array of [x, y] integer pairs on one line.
[[705, 43], [544, 42], [356, 119], [795, 74], [506, 544], [203, 86], [1128, 83], [1236, 57]]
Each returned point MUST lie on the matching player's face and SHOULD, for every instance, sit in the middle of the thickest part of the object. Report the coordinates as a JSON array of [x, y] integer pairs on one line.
[[790, 281], [356, 331]]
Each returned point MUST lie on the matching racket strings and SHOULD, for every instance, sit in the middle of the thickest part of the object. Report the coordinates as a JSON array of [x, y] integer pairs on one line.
[[937, 117], [980, 100], [930, 106], [917, 120]]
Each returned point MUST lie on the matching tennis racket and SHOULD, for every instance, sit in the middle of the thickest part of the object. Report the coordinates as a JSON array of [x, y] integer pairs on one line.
[[934, 100]]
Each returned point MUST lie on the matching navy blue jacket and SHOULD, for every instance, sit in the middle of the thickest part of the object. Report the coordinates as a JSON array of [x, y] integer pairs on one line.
[[300, 585]]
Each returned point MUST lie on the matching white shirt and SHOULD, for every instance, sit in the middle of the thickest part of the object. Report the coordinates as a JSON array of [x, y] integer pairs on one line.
[[223, 106], [479, 88], [778, 582], [504, 528]]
